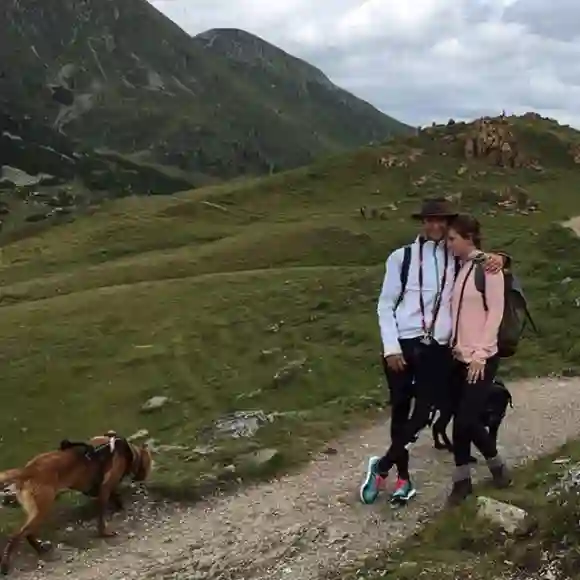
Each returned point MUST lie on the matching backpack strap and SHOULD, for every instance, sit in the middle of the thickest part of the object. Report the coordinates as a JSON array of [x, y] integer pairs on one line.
[[405, 266], [460, 304], [479, 280]]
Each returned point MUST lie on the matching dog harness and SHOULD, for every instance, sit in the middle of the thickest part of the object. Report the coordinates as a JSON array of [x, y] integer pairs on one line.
[[102, 456]]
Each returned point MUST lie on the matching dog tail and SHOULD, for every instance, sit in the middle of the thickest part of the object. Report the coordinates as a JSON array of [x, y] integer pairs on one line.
[[10, 476]]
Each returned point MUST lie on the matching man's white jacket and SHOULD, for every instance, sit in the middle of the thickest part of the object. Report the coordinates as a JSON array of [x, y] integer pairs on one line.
[[406, 321]]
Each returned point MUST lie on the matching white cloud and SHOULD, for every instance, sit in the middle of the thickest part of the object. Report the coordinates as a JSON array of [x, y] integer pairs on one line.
[[422, 60]]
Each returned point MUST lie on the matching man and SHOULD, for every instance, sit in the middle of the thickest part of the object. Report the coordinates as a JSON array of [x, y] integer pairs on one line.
[[415, 324]]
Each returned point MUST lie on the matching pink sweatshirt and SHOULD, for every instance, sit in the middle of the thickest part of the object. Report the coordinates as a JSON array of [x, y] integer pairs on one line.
[[477, 329]]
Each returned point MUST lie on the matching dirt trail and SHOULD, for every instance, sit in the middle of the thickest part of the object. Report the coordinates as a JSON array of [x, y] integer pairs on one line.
[[305, 524]]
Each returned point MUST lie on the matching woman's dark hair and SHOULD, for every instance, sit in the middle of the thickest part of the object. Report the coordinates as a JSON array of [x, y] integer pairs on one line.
[[467, 227]]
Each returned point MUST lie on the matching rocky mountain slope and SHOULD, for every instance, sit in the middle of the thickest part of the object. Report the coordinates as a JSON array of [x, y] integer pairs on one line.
[[121, 75], [47, 178]]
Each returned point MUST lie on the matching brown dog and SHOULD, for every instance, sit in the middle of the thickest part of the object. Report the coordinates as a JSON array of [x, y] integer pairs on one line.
[[95, 469]]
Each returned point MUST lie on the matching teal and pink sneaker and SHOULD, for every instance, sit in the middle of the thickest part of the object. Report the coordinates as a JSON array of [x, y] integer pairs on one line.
[[373, 483], [404, 491]]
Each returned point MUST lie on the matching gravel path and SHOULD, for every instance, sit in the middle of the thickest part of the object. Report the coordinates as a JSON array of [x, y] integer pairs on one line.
[[304, 524]]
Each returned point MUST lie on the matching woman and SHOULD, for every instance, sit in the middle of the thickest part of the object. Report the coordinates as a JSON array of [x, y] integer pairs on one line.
[[474, 342]]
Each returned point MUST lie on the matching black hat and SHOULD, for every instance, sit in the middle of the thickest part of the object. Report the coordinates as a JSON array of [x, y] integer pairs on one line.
[[435, 207]]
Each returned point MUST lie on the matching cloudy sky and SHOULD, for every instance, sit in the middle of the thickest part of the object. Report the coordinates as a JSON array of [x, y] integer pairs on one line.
[[421, 60]]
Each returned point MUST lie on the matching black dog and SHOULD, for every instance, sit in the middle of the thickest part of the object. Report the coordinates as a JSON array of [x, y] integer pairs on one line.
[[493, 415]]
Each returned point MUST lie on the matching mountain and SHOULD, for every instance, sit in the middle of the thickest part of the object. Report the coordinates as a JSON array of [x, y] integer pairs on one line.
[[122, 76], [301, 96]]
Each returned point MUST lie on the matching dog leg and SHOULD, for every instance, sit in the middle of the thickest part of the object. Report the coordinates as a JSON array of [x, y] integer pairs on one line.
[[449, 446], [11, 545], [36, 502], [103, 502], [446, 441], [440, 430], [106, 495], [116, 501], [39, 547], [437, 443]]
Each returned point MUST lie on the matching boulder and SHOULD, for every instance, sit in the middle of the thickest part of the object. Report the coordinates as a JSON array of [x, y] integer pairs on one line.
[[154, 403], [511, 519]]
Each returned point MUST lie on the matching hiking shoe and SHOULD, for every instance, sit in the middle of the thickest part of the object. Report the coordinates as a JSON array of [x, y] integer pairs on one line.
[[500, 476], [373, 483], [460, 491], [404, 491]]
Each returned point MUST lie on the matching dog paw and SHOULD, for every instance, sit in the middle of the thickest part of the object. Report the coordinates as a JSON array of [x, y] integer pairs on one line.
[[44, 547]]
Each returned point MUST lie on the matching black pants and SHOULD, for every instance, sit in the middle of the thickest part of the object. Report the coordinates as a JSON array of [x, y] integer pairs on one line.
[[421, 384], [468, 425]]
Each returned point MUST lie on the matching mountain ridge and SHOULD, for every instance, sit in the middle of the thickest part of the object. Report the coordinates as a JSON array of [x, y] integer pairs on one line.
[[128, 78]]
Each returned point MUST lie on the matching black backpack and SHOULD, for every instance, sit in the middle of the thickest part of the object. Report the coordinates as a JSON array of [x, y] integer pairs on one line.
[[515, 314]]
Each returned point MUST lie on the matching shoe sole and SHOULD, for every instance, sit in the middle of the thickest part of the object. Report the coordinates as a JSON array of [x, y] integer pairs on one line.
[[404, 500], [366, 482]]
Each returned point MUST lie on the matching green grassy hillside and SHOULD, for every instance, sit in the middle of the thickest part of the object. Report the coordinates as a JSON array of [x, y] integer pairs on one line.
[[260, 295]]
